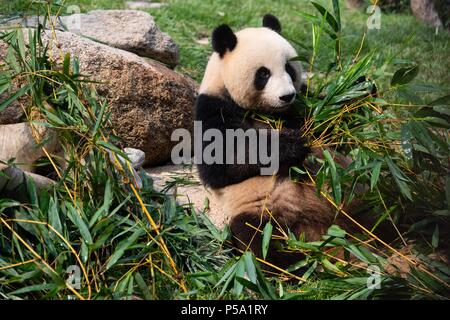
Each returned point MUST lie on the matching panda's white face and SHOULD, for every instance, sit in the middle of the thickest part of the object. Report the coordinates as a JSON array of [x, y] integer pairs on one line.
[[257, 73]]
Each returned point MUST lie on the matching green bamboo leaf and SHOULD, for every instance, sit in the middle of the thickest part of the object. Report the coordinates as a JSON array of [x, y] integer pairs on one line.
[[310, 270], [375, 175], [328, 16], [248, 284], [21, 44], [267, 236], [337, 12], [32, 192], [435, 238], [250, 268], [443, 102], [111, 147], [66, 64], [240, 272], [399, 178], [99, 118], [14, 97], [265, 287], [53, 215], [76, 218], [330, 266], [142, 286], [105, 206], [335, 181], [124, 245], [84, 252], [297, 265], [227, 278], [309, 17], [35, 288], [404, 75], [336, 231], [5, 81], [53, 118]]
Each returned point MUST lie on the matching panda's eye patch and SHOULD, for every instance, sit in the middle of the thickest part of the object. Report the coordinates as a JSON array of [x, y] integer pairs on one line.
[[261, 77], [290, 71]]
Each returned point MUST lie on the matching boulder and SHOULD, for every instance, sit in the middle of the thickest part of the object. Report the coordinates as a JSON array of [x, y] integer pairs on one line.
[[12, 113], [147, 100], [18, 142], [192, 192], [130, 30]]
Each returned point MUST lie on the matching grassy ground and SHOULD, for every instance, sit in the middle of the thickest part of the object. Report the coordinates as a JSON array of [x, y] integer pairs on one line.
[[187, 21], [401, 35]]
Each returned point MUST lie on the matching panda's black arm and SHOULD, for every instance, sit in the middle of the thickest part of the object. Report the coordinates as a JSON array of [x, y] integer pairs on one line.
[[221, 114]]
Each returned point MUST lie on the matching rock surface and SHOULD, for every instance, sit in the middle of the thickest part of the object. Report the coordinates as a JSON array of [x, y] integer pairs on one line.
[[12, 113], [18, 141], [130, 30], [194, 192], [134, 5], [136, 156], [147, 100]]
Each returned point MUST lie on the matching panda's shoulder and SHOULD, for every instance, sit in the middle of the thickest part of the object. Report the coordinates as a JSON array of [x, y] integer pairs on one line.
[[210, 107]]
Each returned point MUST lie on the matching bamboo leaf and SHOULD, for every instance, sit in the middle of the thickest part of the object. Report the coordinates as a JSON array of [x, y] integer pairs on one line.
[[435, 238], [404, 75], [76, 218], [122, 246], [328, 16], [14, 97], [267, 236], [375, 175]]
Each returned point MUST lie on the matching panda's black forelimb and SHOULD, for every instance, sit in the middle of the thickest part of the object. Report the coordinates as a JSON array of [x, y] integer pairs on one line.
[[222, 114]]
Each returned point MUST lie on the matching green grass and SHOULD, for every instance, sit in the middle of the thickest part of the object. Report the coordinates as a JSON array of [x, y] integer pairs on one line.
[[188, 21]]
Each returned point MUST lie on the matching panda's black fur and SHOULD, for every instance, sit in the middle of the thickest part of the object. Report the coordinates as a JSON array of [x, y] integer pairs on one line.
[[224, 113]]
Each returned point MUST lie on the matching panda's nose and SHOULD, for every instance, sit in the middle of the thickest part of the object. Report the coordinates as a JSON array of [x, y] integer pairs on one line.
[[288, 97]]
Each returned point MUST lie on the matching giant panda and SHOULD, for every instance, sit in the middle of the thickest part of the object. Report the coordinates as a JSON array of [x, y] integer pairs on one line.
[[249, 72]]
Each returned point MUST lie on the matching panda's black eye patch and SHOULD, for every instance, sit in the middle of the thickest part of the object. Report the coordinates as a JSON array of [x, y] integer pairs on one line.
[[291, 72], [261, 77]]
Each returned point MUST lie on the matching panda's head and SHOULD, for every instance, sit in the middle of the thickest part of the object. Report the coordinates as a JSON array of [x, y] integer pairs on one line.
[[253, 67]]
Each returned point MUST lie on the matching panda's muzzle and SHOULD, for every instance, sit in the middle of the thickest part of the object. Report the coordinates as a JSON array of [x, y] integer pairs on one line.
[[288, 98]]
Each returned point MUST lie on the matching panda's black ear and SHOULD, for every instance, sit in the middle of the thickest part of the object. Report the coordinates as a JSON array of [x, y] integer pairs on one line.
[[272, 22], [223, 39]]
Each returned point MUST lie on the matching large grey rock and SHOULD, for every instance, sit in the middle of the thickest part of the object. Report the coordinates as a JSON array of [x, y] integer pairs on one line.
[[130, 30], [147, 100]]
